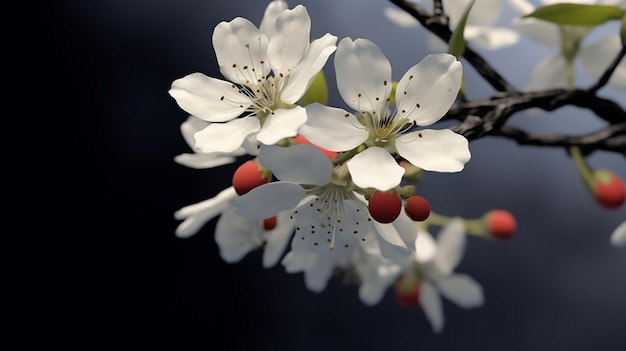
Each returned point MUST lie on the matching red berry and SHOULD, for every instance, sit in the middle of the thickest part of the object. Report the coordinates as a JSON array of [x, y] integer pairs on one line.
[[501, 224], [385, 207], [299, 139], [247, 177], [417, 208], [269, 223], [407, 291], [608, 189]]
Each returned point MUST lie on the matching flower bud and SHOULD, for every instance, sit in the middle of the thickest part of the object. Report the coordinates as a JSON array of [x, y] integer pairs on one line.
[[417, 208], [247, 177], [407, 290], [500, 223], [269, 223], [385, 207], [608, 189]]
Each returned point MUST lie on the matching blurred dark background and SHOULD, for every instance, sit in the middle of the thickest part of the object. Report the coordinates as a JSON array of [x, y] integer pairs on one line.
[[93, 260]]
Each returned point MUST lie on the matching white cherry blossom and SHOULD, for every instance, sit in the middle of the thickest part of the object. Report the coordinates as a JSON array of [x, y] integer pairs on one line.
[[423, 95], [554, 71], [267, 70], [480, 28]]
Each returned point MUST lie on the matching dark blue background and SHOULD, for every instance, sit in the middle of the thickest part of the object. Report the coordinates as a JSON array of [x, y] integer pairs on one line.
[[93, 259]]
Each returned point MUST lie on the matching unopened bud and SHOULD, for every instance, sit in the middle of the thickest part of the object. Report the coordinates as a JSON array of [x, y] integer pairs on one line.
[[247, 177], [384, 207], [501, 224], [407, 290], [608, 189], [417, 208]]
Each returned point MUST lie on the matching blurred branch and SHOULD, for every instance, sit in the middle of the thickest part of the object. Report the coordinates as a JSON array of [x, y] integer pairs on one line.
[[609, 72], [438, 25]]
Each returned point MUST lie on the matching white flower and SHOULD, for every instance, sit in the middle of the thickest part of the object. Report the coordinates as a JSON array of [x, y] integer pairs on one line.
[[268, 71], [618, 237], [437, 263], [480, 28], [235, 235], [199, 159], [552, 71], [423, 95]]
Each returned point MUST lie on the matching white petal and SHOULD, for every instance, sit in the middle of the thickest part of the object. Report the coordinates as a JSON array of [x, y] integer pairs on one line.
[[462, 290], [201, 161], [435, 150], [401, 17], [276, 240], [236, 236], [280, 124], [363, 75], [425, 247], [543, 32], [268, 23], [268, 200], [198, 214], [427, 90], [316, 278], [314, 60], [550, 73], [241, 51], [450, 246], [290, 40], [618, 237], [301, 164], [597, 57], [189, 127], [375, 168], [490, 37], [523, 7], [226, 137], [431, 304], [208, 98], [332, 128]]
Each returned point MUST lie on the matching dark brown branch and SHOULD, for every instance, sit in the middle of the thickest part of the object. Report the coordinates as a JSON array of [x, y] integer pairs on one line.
[[438, 25], [609, 72]]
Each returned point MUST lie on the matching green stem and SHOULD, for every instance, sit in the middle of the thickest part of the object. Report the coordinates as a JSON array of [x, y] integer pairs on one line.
[[584, 170]]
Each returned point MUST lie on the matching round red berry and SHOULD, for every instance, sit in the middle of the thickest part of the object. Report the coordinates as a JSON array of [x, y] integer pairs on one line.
[[501, 224], [247, 177], [299, 139], [417, 208], [269, 223], [608, 189], [385, 207]]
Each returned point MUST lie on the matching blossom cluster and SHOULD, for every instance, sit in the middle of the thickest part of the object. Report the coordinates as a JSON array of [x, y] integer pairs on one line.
[[323, 188]]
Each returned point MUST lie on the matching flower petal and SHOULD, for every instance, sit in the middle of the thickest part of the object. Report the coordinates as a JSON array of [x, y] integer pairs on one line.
[[208, 98], [425, 247], [543, 32], [290, 40], [226, 137], [435, 150], [550, 73], [401, 17], [462, 290], [450, 246], [314, 60], [268, 23], [427, 90], [618, 237], [363, 75], [490, 37], [235, 236], [431, 304], [189, 127], [268, 200], [241, 51], [280, 124], [597, 57], [332, 128], [202, 161], [375, 168], [198, 214], [276, 240], [301, 164]]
